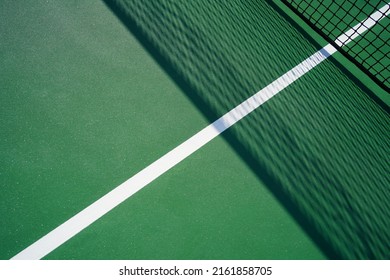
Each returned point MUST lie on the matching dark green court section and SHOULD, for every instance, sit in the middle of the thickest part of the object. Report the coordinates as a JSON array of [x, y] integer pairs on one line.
[[320, 146], [83, 108]]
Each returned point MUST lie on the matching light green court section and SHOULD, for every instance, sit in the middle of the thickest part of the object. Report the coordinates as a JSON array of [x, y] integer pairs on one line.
[[83, 108]]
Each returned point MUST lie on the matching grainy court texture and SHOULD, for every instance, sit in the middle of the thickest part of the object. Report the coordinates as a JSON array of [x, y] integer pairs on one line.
[[100, 94]]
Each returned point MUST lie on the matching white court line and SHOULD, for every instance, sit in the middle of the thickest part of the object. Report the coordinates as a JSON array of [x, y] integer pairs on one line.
[[83, 219]]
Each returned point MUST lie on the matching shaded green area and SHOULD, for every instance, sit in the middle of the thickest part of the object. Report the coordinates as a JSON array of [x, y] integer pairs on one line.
[[371, 51], [320, 146], [325, 146]]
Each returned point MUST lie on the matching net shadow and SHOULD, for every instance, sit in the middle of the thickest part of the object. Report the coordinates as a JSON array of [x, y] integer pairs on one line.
[[321, 146]]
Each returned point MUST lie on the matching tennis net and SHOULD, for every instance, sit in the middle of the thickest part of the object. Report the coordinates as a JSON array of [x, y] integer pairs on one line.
[[371, 51]]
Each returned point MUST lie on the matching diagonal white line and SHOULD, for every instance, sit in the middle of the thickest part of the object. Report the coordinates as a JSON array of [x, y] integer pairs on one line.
[[83, 219]]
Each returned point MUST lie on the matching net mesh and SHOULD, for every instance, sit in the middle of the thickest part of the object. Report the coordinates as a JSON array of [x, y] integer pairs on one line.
[[371, 50]]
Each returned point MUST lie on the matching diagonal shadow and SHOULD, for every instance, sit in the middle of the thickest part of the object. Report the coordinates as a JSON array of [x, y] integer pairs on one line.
[[321, 146]]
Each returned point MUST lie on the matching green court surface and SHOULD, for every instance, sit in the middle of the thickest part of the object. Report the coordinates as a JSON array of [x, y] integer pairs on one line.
[[92, 92]]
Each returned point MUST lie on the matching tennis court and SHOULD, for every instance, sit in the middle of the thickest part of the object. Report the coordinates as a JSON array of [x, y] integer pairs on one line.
[[94, 92]]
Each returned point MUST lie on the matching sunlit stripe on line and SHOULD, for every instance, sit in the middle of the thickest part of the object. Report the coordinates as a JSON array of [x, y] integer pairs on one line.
[[83, 219]]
